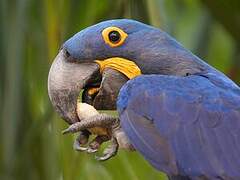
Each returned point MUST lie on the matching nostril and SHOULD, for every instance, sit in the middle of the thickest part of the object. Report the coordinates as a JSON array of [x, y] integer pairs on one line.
[[66, 53]]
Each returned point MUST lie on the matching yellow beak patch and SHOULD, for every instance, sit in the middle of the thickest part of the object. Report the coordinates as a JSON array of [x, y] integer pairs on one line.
[[127, 67]]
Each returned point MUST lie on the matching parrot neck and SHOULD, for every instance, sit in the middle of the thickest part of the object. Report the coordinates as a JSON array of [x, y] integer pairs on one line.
[[161, 54], [173, 64]]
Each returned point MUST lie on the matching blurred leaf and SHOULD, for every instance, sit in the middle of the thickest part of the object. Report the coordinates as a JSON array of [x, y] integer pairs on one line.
[[227, 13], [31, 32]]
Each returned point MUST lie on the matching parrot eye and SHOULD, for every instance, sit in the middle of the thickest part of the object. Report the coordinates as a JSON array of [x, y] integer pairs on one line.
[[114, 36]]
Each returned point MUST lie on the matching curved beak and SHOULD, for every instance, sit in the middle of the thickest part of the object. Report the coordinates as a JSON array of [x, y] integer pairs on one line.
[[65, 80]]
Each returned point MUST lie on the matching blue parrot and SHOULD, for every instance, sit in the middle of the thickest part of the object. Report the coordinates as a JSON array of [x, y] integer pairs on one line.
[[180, 114]]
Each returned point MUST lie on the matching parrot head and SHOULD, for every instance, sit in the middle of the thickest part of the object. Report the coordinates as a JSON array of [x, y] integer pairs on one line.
[[78, 64]]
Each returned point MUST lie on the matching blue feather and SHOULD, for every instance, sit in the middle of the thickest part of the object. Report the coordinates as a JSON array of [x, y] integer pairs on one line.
[[186, 126]]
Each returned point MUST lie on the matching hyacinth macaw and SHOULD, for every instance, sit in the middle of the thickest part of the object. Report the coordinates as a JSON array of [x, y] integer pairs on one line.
[[180, 113]]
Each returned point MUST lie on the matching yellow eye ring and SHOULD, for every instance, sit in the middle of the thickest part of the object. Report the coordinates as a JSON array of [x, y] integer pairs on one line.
[[114, 36]]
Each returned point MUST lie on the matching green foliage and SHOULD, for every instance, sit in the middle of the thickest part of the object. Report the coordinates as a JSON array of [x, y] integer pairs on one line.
[[31, 32]]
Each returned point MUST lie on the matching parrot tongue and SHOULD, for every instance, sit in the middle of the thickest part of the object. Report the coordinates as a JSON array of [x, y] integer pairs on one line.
[[104, 96]]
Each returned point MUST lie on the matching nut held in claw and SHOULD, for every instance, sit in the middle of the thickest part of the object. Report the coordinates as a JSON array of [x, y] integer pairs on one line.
[[85, 111]]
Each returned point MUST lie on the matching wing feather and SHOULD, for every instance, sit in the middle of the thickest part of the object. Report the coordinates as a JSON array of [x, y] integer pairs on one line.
[[184, 125]]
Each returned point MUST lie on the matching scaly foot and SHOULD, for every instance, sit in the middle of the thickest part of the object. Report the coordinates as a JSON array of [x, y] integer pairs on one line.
[[100, 120]]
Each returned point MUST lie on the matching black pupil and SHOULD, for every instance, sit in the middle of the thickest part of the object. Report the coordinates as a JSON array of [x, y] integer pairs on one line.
[[114, 36]]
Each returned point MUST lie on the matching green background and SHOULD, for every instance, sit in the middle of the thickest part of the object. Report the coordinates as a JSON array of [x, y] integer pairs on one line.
[[31, 32]]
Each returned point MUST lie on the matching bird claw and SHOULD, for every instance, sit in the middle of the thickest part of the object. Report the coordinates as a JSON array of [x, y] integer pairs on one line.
[[94, 145], [81, 139], [109, 152], [101, 120], [90, 150], [78, 147]]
